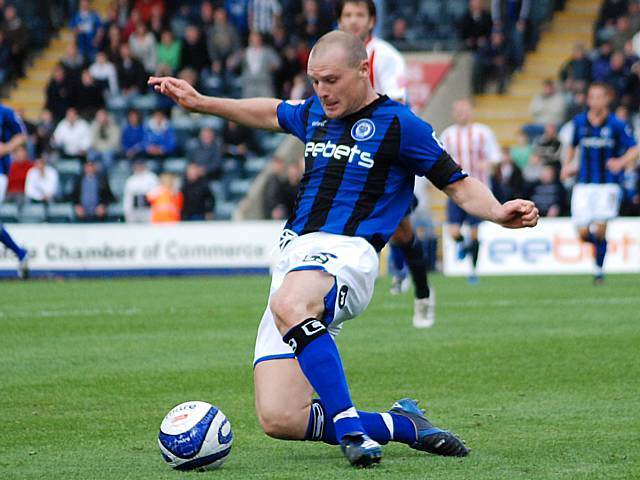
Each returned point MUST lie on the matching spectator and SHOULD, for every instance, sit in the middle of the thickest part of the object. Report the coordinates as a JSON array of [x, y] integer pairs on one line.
[[158, 22], [199, 202], [238, 12], [147, 7], [72, 136], [548, 106], [264, 15], [5, 59], [133, 136], [88, 97], [610, 10], [622, 34], [88, 29], [17, 37], [194, 50], [104, 73], [134, 200], [400, 34], [491, 60], [91, 195], [169, 51], [475, 26], [132, 77], [511, 18], [577, 104], [618, 76], [548, 193], [159, 136], [548, 146], [222, 40], [281, 189], [73, 63], [143, 47], [507, 179], [632, 95], [600, 65], [41, 138], [41, 185], [259, 63], [237, 141], [105, 139], [289, 68], [206, 16], [20, 165], [311, 23], [207, 152], [58, 95], [166, 202], [576, 72], [131, 24], [181, 19]]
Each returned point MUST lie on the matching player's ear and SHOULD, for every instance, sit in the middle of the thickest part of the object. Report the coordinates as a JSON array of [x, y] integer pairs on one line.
[[365, 68]]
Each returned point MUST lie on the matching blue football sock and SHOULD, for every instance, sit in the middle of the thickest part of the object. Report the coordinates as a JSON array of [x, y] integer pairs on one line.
[[601, 251], [397, 258], [382, 427], [6, 239], [320, 362]]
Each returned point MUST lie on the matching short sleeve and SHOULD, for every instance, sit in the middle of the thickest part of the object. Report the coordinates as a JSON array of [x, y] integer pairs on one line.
[[292, 117], [575, 139], [424, 154], [14, 124], [625, 137]]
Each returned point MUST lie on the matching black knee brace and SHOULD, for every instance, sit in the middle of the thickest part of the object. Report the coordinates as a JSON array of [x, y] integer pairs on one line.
[[304, 333]]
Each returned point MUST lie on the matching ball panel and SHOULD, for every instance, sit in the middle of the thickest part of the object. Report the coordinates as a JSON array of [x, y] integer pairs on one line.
[[208, 462], [188, 444]]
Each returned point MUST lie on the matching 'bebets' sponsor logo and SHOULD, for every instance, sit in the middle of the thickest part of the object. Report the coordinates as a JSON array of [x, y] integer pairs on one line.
[[331, 150]]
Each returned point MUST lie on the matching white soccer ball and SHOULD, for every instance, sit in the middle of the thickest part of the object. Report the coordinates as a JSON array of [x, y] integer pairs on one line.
[[195, 436]]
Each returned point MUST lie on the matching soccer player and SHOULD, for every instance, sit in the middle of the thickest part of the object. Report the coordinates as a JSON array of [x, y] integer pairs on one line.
[[388, 76], [474, 146], [606, 147], [362, 152], [12, 134]]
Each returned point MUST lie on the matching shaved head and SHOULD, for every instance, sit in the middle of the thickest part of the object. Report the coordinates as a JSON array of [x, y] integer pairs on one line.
[[331, 43]]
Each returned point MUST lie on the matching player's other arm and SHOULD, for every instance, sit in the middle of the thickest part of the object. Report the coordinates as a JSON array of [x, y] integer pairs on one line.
[[476, 199], [628, 160], [251, 112], [12, 144], [569, 167]]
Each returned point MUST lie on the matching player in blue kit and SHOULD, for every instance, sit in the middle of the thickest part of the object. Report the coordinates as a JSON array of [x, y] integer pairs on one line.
[[12, 134], [606, 148], [362, 152]]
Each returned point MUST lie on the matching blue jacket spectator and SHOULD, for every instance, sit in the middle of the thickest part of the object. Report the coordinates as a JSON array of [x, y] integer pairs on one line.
[[159, 136], [133, 136], [86, 24]]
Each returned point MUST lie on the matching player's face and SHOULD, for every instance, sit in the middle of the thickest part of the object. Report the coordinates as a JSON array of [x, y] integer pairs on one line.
[[598, 98], [339, 86], [355, 19]]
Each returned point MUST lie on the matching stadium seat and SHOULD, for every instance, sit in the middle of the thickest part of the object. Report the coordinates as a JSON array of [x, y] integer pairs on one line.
[[60, 213], [33, 213], [8, 213], [238, 188], [71, 166], [224, 210], [115, 213], [116, 182], [175, 165], [254, 165]]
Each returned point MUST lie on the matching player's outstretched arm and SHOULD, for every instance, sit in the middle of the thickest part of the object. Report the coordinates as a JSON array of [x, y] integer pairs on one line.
[[476, 199], [251, 112]]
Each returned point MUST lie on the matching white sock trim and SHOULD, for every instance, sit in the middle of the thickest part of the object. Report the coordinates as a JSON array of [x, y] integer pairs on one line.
[[348, 413], [388, 421]]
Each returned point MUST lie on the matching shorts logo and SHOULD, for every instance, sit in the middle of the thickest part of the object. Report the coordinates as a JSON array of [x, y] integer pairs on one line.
[[342, 296], [363, 130], [320, 258]]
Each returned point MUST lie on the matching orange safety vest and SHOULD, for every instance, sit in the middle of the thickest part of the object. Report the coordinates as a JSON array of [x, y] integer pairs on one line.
[[166, 205]]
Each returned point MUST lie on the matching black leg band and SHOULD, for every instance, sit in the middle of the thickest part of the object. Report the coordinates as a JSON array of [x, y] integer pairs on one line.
[[304, 333]]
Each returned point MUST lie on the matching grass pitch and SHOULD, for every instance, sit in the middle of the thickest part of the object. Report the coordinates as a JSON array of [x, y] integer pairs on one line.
[[540, 376]]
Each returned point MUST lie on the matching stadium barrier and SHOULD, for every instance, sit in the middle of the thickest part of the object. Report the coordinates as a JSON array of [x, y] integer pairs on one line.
[[553, 247], [126, 249]]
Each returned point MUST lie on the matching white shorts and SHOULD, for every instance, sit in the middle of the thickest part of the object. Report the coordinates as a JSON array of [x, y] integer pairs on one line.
[[351, 260], [595, 203]]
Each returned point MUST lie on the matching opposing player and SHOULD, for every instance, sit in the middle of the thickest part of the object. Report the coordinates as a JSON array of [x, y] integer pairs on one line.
[[12, 134], [606, 149], [474, 146], [388, 76], [362, 152]]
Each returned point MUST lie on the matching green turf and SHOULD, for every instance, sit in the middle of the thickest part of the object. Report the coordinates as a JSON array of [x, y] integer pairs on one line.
[[540, 375]]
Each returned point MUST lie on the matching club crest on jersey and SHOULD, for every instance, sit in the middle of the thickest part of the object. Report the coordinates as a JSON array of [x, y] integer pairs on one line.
[[363, 130]]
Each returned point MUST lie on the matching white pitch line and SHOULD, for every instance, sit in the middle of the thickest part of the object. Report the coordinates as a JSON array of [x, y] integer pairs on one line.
[[546, 302], [89, 312]]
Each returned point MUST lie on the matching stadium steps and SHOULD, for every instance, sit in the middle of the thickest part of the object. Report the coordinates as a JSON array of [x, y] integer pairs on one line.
[[28, 95], [506, 114]]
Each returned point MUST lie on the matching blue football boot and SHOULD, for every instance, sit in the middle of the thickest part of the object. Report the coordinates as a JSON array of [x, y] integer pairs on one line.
[[360, 450], [429, 438]]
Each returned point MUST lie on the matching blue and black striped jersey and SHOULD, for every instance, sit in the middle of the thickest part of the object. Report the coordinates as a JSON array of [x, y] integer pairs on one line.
[[360, 169], [598, 144], [10, 126]]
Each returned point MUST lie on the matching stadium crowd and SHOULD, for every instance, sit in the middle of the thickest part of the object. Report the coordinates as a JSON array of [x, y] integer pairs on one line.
[[108, 148]]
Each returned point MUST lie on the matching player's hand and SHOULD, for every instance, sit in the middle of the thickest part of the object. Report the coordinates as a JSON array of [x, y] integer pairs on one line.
[[517, 214], [615, 165], [178, 90], [567, 171]]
